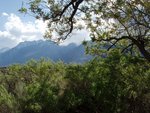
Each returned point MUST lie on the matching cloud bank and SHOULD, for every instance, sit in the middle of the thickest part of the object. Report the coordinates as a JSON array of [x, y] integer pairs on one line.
[[16, 31]]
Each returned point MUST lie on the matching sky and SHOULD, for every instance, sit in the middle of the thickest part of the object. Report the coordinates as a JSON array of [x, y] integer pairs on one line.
[[16, 27]]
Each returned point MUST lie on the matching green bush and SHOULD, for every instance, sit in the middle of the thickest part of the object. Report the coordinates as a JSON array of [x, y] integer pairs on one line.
[[116, 84], [7, 101]]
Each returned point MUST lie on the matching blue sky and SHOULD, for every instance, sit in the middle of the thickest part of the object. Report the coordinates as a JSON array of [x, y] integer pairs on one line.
[[12, 7], [16, 27], [8, 6]]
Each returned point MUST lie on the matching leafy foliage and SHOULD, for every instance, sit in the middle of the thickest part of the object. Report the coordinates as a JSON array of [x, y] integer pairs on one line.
[[116, 84], [123, 23]]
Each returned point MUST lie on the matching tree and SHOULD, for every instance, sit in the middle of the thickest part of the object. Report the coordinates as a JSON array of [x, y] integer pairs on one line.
[[114, 22], [116, 84]]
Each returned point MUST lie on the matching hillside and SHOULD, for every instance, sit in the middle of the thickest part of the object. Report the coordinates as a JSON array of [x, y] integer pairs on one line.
[[43, 49]]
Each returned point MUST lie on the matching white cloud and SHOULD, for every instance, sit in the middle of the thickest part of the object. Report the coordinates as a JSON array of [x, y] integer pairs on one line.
[[4, 14], [16, 31], [77, 37]]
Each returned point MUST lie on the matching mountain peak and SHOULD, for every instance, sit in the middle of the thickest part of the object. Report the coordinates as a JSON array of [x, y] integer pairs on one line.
[[43, 49]]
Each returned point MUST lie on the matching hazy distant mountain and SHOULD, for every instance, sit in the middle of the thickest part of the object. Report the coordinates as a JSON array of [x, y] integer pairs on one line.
[[3, 50], [39, 49]]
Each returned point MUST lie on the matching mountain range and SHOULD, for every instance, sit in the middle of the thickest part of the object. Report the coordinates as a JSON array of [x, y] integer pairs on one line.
[[28, 50]]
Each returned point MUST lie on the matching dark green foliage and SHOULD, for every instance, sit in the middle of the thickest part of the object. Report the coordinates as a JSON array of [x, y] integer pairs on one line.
[[116, 84]]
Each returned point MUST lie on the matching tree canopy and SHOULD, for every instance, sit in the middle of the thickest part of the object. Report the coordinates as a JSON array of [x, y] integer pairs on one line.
[[116, 84], [115, 22]]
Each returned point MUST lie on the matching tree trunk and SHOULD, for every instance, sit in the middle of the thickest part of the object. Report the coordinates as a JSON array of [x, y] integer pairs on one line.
[[144, 52]]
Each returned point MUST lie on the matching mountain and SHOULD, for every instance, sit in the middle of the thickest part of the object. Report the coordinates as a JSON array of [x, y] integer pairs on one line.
[[3, 50], [43, 49]]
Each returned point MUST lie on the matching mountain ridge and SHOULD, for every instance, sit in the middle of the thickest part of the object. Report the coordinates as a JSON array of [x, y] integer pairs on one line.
[[25, 51]]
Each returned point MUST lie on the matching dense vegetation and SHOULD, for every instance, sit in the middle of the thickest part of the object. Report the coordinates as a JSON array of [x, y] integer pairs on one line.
[[116, 84]]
